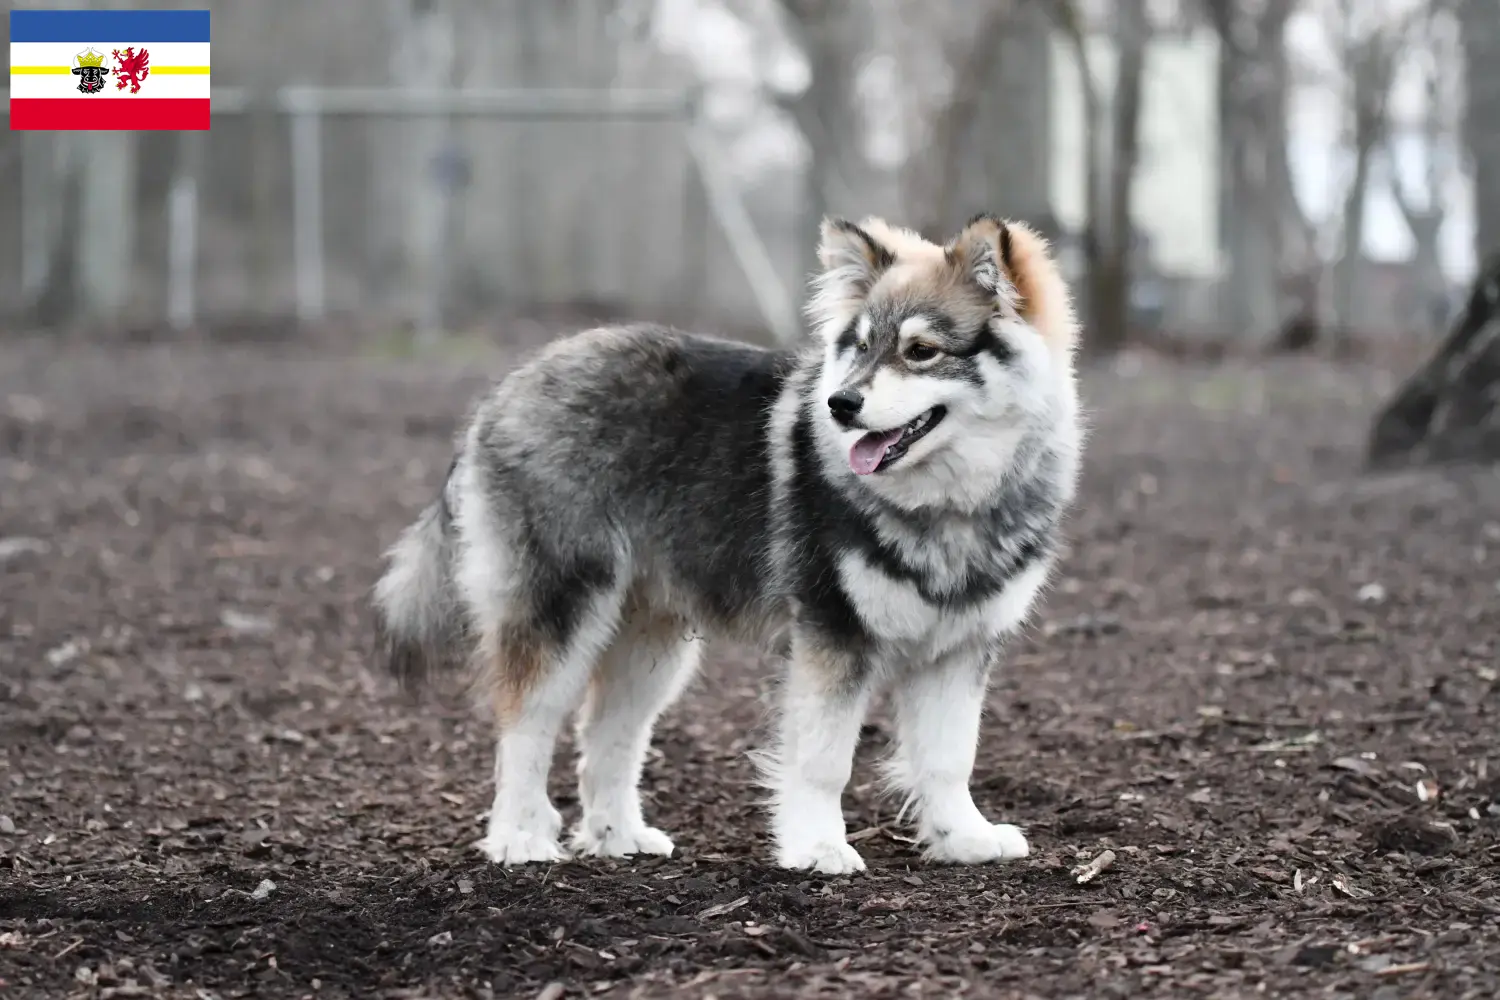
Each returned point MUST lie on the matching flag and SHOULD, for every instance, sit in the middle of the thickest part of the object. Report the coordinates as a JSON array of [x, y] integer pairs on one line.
[[109, 69]]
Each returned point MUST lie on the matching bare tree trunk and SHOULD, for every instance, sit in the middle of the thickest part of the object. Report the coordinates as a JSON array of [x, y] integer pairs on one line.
[[1480, 20], [833, 36], [106, 258], [1256, 197], [1350, 267], [1110, 274], [1425, 220], [931, 175], [1371, 63], [1097, 156], [50, 167]]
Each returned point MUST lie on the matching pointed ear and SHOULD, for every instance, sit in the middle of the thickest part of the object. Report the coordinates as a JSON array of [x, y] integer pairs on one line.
[[982, 253], [853, 261]]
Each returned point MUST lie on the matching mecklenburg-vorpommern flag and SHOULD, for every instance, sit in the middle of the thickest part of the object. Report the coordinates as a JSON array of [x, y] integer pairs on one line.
[[109, 69]]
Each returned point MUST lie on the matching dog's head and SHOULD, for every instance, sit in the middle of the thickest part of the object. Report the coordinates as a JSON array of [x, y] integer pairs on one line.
[[940, 360]]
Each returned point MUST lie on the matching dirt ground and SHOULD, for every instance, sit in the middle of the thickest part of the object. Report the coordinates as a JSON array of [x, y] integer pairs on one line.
[[1266, 682]]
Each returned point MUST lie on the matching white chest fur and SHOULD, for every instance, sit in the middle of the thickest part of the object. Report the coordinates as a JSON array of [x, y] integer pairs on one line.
[[894, 611]]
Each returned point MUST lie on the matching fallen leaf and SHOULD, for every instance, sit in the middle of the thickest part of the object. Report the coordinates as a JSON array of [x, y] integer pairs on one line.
[[1104, 920], [1357, 765], [723, 908]]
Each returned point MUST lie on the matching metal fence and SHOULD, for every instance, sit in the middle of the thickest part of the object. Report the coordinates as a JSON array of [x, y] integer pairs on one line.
[[278, 210]]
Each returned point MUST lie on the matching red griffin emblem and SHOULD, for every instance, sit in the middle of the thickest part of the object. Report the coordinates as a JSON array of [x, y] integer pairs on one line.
[[131, 67]]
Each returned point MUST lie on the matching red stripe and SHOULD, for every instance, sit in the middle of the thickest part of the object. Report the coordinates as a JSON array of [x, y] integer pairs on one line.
[[66, 113]]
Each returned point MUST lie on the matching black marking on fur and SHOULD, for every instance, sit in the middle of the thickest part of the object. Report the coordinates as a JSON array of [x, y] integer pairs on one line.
[[939, 323], [1006, 248], [732, 389], [986, 342], [848, 337], [826, 523], [879, 257], [444, 510], [559, 590]]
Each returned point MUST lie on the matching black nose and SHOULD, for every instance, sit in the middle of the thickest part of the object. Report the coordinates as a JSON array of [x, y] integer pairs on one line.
[[845, 404]]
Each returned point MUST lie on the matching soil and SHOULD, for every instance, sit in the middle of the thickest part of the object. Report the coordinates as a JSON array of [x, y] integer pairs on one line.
[[1264, 680]]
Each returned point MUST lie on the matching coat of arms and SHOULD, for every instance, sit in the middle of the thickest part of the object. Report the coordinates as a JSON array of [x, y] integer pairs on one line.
[[131, 67], [89, 67]]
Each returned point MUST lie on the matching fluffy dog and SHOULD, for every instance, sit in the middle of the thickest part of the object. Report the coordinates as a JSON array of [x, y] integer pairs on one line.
[[887, 499]]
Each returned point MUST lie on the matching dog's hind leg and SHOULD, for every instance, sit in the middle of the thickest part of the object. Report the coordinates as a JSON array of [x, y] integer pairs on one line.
[[651, 660], [535, 674]]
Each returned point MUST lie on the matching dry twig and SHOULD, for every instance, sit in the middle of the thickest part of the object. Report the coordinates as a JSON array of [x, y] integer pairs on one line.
[[1090, 871]]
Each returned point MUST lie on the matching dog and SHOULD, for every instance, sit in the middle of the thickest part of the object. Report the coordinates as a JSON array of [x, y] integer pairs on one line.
[[886, 501]]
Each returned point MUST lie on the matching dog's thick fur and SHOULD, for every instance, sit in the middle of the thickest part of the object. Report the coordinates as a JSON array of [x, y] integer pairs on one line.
[[633, 488]]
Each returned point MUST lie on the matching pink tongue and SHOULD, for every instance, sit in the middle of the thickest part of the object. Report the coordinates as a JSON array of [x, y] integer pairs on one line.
[[867, 452]]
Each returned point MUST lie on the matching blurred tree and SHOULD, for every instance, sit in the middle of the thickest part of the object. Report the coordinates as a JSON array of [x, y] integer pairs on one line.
[[1114, 155], [931, 171], [834, 37], [1371, 47], [1425, 210], [1264, 230], [1480, 21], [976, 112]]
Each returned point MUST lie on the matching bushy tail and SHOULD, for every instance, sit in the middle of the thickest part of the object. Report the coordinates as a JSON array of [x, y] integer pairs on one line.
[[419, 618]]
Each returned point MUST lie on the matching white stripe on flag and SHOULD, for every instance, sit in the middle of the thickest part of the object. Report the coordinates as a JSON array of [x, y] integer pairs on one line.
[[62, 53], [24, 86]]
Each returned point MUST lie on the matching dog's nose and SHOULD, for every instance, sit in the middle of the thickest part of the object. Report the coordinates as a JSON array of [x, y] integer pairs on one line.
[[844, 404]]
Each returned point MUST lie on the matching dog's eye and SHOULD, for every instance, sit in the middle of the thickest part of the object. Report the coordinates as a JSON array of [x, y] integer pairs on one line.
[[921, 352], [862, 347]]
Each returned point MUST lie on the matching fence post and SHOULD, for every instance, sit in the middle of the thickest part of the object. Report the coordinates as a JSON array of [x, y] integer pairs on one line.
[[307, 210], [692, 289], [182, 232]]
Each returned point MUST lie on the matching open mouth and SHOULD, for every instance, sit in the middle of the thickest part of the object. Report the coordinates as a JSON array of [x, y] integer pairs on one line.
[[879, 450]]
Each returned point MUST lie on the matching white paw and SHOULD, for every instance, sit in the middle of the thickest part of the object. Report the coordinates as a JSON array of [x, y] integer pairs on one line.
[[978, 844], [826, 857], [514, 846], [621, 843]]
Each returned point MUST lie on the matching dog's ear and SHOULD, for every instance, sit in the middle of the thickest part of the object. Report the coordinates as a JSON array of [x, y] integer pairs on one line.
[[1013, 263], [852, 253], [982, 253], [853, 261]]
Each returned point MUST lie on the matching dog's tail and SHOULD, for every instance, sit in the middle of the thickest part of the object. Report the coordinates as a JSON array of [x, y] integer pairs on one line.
[[419, 619]]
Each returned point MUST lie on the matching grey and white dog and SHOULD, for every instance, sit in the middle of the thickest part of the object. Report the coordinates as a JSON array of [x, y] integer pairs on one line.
[[887, 498]]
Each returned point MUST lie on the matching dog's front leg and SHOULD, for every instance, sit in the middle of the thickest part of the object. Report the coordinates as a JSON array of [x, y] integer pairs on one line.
[[823, 706], [938, 708]]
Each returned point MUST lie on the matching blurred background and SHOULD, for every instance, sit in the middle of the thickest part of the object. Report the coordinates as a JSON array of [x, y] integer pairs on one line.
[[1249, 171]]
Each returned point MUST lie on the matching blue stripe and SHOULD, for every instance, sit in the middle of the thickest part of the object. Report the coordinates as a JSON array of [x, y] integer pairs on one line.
[[109, 27]]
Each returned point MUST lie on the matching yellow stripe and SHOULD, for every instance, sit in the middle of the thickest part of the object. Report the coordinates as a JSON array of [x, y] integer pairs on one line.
[[65, 70]]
